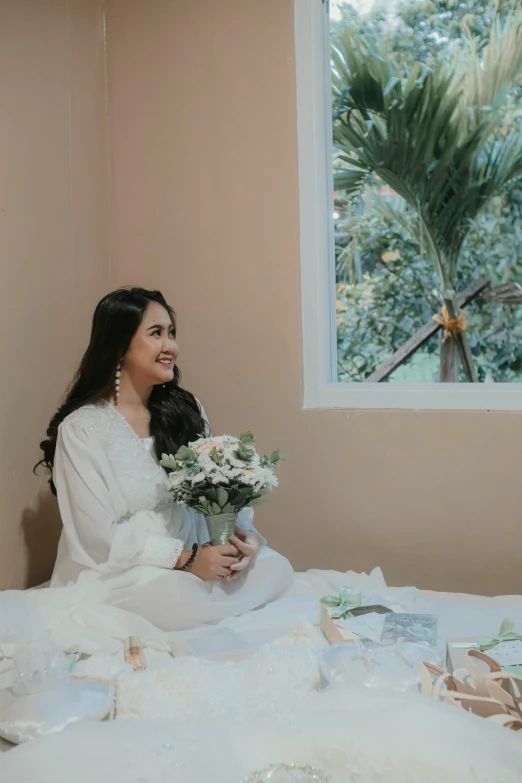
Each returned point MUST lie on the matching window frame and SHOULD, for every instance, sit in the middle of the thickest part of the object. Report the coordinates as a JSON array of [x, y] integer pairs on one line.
[[314, 134]]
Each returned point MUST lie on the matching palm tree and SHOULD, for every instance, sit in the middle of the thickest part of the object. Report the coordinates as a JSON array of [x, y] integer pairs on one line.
[[437, 135]]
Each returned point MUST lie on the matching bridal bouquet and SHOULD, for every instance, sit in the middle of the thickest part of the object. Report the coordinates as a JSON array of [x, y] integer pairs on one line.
[[220, 476]]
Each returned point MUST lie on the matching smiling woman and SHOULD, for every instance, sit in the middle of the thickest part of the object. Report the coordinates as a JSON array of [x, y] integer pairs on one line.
[[132, 330], [153, 351], [123, 536]]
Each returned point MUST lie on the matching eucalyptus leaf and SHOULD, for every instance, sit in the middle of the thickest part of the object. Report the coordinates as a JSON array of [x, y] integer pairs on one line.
[[222, 496], [245, 452], [216, 457], [168, 461], [184, 454]]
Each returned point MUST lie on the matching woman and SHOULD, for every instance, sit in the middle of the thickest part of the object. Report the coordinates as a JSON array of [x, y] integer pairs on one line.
[[125, 409]]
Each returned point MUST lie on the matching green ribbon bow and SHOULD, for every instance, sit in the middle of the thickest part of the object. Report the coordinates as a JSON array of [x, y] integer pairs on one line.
[[505, 634], [340, 605]]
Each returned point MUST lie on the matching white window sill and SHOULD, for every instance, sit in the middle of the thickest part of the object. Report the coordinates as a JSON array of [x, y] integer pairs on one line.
[[450, 396]]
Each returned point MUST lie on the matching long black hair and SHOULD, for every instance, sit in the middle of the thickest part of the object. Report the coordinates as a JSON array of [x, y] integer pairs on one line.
[[175, 416]]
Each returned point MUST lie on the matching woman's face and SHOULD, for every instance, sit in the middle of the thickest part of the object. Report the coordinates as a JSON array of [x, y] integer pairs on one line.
[[153, 350]]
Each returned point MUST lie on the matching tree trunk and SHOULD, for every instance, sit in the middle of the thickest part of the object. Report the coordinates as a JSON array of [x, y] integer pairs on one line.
[[461, 340], [448, 360], [403, 353]]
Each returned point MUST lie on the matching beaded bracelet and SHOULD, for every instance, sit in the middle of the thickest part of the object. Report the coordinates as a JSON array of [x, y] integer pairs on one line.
[[191, 559]]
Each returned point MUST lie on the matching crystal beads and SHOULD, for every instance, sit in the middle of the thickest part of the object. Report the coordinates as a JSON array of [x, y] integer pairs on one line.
[[288, 773]]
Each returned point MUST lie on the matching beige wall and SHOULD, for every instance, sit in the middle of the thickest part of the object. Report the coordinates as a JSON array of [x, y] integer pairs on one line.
[[203, 136], [54, 261]]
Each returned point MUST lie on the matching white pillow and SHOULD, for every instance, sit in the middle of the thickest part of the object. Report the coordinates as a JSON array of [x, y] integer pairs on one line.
[[25, 717]]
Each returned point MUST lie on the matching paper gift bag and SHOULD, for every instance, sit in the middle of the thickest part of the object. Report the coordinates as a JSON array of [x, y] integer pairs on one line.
[[457, 651], [456, 658]]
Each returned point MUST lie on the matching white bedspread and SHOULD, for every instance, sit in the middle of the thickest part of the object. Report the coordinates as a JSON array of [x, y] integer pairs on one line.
[[347, 728]]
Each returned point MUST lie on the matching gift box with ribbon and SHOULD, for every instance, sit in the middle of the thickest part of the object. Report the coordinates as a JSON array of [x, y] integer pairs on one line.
[[337, 607], [351, 615]]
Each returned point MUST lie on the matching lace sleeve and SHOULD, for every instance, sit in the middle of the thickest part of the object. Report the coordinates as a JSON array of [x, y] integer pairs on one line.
[[143, 540], [161, 551], [97, 536]]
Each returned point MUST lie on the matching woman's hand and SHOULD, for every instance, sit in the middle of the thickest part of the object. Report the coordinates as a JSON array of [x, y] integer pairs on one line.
[[249, 545], [212, 563]]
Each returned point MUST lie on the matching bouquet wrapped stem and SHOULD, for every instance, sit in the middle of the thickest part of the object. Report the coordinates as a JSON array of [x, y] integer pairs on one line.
[[221, 527]]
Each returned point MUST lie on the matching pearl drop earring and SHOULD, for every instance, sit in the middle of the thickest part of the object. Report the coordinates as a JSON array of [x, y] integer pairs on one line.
[[117, 383]]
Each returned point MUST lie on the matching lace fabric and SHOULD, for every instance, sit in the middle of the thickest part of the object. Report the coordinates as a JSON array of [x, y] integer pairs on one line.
[[288, 773], [271, 706], [161, 551], [142, 481]]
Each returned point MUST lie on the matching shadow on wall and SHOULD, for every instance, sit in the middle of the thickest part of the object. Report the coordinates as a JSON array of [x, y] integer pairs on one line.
[[41, 526]]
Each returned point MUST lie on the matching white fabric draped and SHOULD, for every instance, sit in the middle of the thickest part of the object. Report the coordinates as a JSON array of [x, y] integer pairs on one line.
[[351, 732], [121, 527]]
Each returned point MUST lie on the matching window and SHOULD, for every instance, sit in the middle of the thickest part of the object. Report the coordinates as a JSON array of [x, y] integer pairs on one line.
[[410, 169]]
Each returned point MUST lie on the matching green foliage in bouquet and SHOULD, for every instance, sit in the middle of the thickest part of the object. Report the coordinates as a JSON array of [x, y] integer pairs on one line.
[[223, 479]]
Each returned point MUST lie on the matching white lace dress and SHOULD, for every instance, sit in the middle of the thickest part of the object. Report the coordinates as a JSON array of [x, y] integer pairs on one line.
[[121, 529]]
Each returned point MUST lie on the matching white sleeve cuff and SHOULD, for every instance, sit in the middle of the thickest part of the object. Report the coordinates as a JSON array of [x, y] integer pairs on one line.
[[161, 551]]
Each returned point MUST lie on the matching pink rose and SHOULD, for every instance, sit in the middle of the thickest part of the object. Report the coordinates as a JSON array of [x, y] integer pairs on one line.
[[217, 444]]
